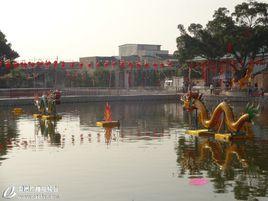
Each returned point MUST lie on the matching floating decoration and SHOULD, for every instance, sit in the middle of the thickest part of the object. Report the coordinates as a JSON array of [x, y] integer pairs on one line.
[[46, 105], [236, 129], [17, 111], [108, 123]]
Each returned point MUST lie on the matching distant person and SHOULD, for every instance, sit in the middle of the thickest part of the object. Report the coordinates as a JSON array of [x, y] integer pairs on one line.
[[211, 87]]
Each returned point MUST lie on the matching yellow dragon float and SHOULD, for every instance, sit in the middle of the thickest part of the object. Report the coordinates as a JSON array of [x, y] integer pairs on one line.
[[243, 82], [222, 114]]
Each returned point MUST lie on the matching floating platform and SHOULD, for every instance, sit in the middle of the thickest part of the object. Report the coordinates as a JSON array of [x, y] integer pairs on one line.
[[17, 111], [200, 132], [47, 117], [108, 124]]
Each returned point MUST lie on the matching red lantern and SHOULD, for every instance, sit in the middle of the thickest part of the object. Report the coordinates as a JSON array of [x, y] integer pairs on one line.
[[48, 63], [62, 64], [155, 65], [229, 47], [122, 64], [81, 65], [106, 63], [55, 64], [113, 63], [147, 65], [138, 64], [97, 64], [72, 65], [161, 65], [89, 65], [204, 71], [16, 65], [130, 64], [170, 64], [8, 64]]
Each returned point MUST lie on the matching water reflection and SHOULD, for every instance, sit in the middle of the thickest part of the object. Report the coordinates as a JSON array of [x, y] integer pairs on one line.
[[238, 168], [48, 129], [232, 167]]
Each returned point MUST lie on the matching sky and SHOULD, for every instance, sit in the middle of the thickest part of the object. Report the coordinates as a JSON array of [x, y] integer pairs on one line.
[[69, 29]]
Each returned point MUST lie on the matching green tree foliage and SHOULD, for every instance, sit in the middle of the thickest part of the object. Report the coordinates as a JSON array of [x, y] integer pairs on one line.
[[6, 52], [242, 34]]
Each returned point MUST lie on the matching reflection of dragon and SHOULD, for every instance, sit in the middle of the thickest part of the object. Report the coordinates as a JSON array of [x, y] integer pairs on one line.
[[218, 154], [194, 101], [46, 104]]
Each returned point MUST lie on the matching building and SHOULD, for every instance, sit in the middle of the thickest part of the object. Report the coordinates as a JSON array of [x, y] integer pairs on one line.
[[141, 50], [131, 55]]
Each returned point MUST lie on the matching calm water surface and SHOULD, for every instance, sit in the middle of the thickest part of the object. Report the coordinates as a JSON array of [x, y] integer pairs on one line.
[[148, 158]]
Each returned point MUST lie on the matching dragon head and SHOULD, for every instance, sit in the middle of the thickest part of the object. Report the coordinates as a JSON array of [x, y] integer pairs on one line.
[[188, 100], [252, 111]]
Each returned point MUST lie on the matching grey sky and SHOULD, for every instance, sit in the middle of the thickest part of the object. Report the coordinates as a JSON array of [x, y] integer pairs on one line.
[[69, 29]]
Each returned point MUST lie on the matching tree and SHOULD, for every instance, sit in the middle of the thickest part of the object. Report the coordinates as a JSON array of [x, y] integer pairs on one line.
[[6, 52], [242, 34]]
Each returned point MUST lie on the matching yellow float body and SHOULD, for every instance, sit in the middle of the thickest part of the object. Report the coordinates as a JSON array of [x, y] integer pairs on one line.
[[108, 124]]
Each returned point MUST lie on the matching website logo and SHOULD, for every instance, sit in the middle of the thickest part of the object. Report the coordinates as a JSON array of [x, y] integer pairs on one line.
[[9, 192]]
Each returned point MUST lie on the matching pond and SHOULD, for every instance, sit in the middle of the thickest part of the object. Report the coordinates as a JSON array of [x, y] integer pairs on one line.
[[148, 158]]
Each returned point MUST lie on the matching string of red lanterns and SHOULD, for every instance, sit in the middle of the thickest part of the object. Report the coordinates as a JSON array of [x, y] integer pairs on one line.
[[122, 64]]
